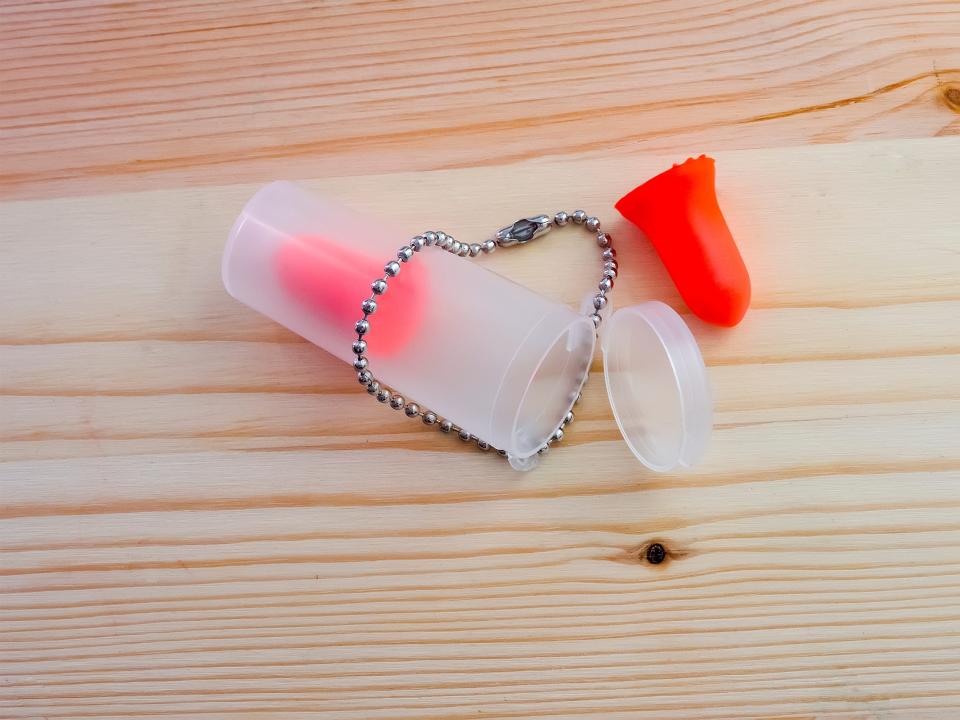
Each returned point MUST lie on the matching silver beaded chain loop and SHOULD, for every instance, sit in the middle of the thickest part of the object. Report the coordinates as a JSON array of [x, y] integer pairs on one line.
[[519, 233]]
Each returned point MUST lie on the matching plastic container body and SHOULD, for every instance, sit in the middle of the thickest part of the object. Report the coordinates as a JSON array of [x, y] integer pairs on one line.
[[498, 360]]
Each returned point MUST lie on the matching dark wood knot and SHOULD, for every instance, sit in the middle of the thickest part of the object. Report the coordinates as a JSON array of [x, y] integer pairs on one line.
[[656, 553], [951, 96]]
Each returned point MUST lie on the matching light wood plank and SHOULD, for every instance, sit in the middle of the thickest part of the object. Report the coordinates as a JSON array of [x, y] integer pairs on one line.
[[202, 517], [108, 96]]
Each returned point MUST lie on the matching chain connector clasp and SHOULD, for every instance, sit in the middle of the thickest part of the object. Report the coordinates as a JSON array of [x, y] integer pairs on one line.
[[524, 230]]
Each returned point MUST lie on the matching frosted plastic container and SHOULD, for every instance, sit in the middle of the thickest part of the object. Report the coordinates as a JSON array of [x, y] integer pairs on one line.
[[495, 358], [498, 360]]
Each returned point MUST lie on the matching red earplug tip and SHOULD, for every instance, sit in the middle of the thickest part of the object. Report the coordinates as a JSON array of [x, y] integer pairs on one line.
[[679, 212]]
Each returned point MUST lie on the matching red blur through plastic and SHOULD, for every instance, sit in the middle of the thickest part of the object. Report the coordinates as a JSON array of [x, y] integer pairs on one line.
[[679, 212], [332, 280]]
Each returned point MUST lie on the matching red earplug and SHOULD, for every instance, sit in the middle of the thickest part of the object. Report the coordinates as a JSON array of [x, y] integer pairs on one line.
[[678, 211], [330, 280]]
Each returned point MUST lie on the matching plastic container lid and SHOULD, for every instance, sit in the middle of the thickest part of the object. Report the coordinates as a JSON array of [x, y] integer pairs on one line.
[[657, 385]]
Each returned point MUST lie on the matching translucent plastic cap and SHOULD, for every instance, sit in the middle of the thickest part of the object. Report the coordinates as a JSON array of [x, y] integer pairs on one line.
[[657, 385]]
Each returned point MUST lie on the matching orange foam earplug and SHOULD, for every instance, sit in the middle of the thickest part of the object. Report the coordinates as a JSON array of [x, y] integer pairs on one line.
[[679, 212]]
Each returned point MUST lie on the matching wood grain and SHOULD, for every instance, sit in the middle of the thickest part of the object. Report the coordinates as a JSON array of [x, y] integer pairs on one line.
[[100, 96], [201, 517]]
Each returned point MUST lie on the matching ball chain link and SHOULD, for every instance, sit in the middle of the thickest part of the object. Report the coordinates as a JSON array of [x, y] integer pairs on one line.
[[446, 242]]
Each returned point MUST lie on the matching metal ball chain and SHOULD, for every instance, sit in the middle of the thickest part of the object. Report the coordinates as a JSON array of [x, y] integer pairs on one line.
[[519, 233]]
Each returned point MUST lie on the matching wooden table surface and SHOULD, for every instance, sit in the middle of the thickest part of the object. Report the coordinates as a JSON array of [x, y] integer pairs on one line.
[[201, 516]]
